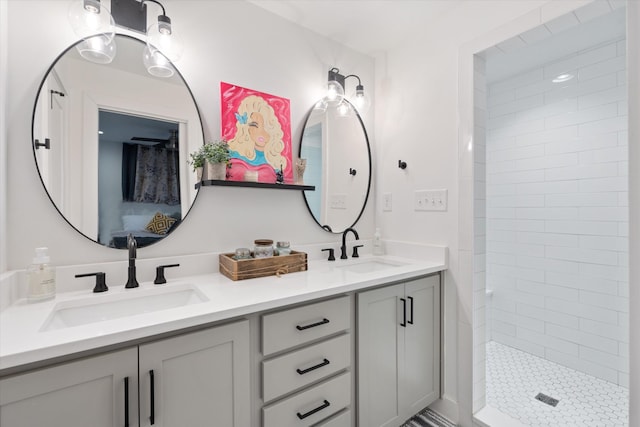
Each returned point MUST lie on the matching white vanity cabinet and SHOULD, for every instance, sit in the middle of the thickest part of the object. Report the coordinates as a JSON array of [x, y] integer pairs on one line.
[[306, 375], [89, 392], [398, 351], [197, 379], [200, 378]]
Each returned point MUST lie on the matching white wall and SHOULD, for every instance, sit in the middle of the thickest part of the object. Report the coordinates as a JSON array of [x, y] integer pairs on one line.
[[557, 212], [3, 136], [229, 41]]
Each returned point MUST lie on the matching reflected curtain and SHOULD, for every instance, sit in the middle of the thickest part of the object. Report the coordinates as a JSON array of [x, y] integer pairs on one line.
[[150, 174]]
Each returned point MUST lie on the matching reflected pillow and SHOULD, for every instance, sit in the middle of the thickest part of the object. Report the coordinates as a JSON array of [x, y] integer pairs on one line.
[[135, 222], [160, 223]]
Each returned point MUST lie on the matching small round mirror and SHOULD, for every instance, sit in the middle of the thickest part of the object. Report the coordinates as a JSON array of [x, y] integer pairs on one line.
[[338, 163]]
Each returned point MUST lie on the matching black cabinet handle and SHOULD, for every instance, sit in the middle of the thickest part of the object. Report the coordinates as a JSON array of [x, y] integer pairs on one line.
[[325, 362], [313, 325], [404, 313], [152, 416], [411, 308], [313, 411], [126, 401]]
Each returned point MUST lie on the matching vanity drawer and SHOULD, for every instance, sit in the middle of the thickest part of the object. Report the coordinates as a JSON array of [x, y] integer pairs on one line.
[[297, 326], [340, 420], [302, 367], [310, 406]]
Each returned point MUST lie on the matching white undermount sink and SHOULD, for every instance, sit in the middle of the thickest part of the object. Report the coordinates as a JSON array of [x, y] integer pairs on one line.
[[131, 302], [368, 266]]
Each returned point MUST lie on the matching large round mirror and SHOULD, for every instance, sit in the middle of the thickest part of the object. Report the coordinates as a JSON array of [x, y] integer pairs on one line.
[[338, 163], [111, 143]]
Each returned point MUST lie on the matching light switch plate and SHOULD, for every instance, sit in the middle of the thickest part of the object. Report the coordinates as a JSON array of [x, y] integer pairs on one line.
[[387, 202], [430, 200], [338, 201]]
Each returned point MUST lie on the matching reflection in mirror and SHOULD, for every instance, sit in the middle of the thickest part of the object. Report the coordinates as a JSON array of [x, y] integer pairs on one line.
[[338, 165], [118, 141]]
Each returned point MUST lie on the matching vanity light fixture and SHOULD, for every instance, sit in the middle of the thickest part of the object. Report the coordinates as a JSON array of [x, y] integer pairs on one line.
[[164, 46], [95, 25], [92, 22], [161, 36], [336, 93]]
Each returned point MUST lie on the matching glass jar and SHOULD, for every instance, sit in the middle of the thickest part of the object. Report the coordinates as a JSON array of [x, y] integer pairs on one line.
[[263, 248], [283, 248], [243, 253]]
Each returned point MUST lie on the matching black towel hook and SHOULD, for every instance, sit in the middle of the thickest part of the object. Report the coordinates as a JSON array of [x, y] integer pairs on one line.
[[402, 165]]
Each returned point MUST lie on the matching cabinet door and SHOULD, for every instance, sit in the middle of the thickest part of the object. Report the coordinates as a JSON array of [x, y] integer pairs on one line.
[[380, 336], [89, 392], [197, 379], [420, 381]]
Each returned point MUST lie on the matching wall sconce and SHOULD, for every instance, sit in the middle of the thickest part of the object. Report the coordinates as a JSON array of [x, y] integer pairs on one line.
[[336, 93], [92, 22], [96, 26]]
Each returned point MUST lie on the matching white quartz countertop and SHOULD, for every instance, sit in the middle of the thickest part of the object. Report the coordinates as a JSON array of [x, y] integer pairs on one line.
[[23, 340]]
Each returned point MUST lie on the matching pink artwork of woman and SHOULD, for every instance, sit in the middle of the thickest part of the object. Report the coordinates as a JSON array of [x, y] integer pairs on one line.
[[257, 127]]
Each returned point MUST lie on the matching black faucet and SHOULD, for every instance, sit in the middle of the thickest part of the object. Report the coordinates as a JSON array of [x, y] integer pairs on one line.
[[132, 246], [343, 248]]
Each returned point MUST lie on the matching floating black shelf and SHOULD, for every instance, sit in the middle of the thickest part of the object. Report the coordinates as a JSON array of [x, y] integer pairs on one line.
[[210, 182]]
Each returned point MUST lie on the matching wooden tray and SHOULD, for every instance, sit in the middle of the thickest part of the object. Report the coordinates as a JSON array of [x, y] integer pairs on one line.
[[261, 267]]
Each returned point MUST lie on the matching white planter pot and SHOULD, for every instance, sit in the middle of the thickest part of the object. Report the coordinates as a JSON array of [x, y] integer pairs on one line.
[[216, 171]]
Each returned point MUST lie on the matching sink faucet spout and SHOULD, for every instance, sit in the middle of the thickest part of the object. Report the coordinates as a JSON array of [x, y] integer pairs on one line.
[[132, 246], [343, 248]]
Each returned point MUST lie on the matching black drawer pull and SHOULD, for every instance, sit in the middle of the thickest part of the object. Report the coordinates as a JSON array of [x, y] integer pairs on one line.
[[152, 417], [325, 362], [313, 411], [411, 308], [126, 401], [404, 313], [322, 322]]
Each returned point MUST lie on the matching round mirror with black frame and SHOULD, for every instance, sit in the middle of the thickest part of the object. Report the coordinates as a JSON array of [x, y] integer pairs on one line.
[[111, 144], [336, 147]]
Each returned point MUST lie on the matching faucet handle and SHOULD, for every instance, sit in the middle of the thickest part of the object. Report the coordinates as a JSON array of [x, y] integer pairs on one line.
[[332, 257], [160, 273], [101, 285], [355, 251]]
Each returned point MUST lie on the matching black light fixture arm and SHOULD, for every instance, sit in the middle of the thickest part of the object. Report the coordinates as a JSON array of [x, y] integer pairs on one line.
[[153, 1], [164, 22], [353, 75]]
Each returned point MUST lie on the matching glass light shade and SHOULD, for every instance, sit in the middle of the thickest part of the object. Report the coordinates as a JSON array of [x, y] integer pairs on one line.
[[156, 63], [89, 18], [335, 93], [321, 105], [99, 49], [343, 109], [167, 42], [360, 101]]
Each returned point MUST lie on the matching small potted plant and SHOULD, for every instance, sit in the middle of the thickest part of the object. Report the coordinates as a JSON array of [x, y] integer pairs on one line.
[[197, 162], [216, 156]]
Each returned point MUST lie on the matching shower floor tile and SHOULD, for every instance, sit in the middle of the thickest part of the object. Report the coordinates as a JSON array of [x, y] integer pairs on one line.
[[515, 378]]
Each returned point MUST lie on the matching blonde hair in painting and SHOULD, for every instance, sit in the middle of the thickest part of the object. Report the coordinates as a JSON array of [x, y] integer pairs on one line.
[[242, 142]]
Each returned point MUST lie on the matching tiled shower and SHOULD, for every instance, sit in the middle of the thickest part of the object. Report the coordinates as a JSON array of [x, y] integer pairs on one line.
[[551, 229]]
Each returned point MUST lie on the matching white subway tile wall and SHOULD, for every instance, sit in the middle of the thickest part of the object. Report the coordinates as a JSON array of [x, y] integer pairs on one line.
[[557, 213]]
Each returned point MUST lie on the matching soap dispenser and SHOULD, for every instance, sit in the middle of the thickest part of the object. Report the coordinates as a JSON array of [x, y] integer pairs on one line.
[[41, 277], [377, 243]]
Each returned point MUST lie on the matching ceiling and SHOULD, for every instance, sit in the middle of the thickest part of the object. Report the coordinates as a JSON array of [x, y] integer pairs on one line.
[[363, 25], [585, 28]]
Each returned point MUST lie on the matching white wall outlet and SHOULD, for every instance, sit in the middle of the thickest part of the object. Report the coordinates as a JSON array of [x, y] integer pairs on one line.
[[430, 200], [338, 201], [387, 202]]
